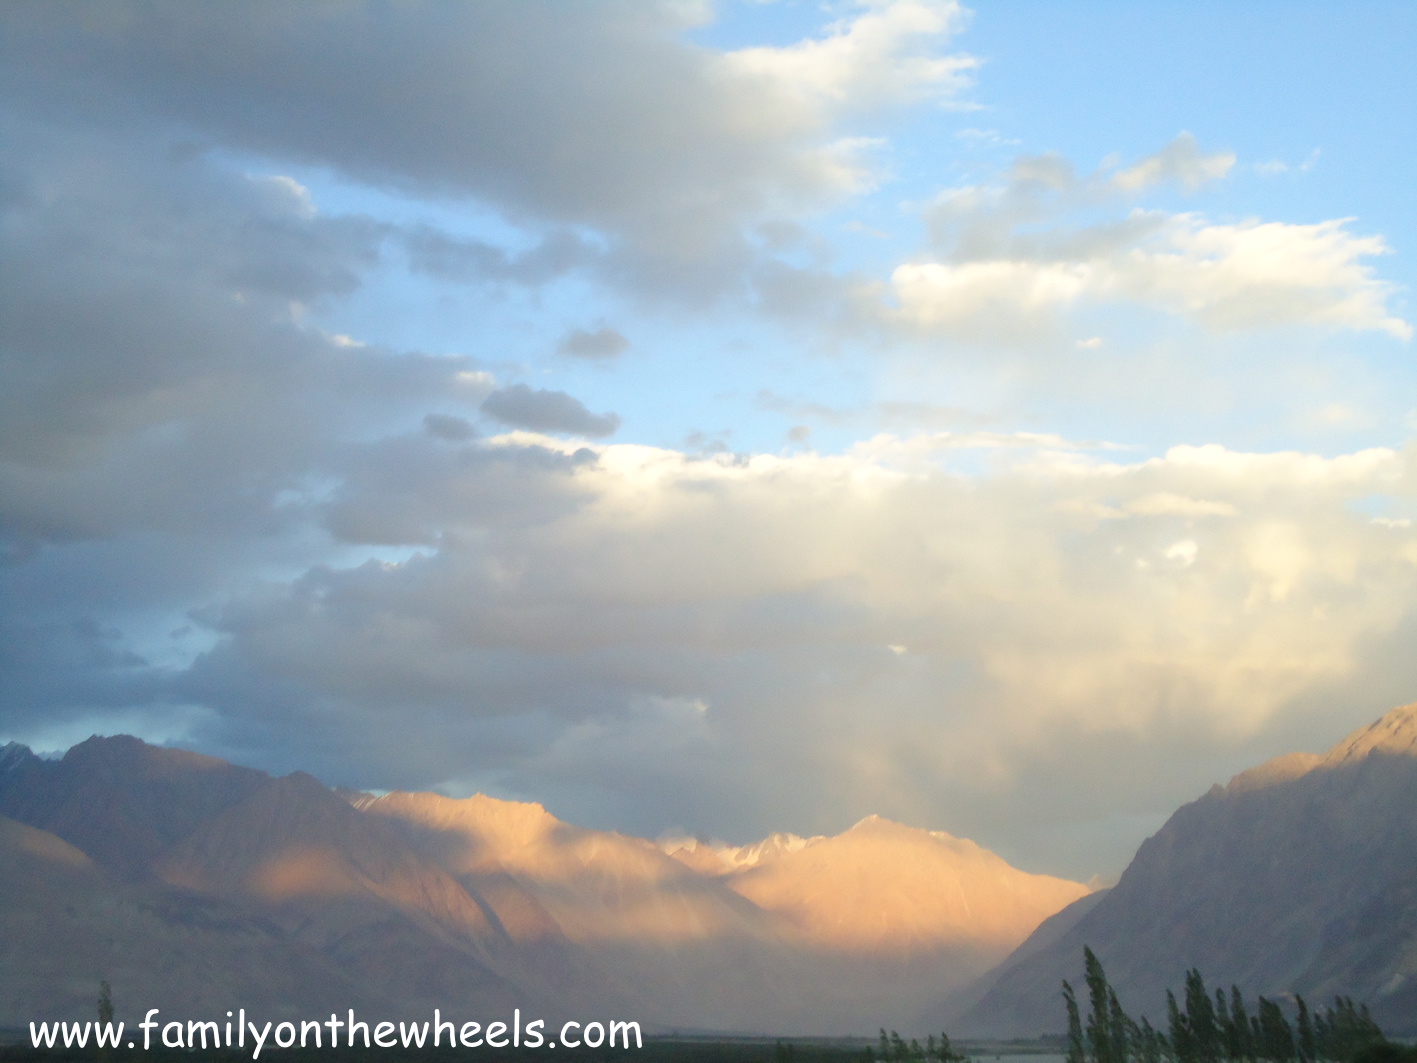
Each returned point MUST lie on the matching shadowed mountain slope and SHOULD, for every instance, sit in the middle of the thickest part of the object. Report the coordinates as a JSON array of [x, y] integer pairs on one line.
[[65, 923], [945, 1014], [344, 911], [121, 800], [348, 885], [1296, 877]]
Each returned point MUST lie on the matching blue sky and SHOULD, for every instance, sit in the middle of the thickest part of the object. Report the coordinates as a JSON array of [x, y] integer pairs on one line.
[[715, 418], [1305, 98]]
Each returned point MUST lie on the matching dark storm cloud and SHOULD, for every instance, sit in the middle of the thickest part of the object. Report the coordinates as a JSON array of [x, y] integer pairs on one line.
[[439, 255], [408, 490], [153, 371], [447, 428], [602, 343], [168, 425], [593, 114], [521, 406], [76, 661]]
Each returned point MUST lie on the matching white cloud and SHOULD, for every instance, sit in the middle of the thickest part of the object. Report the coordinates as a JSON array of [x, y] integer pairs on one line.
[[1275, 167], [1000, 297], [1254, 274], [1227, 277], [884, 55], [1008, 261], [1180, 161], [1164, 503], [1183, 551]]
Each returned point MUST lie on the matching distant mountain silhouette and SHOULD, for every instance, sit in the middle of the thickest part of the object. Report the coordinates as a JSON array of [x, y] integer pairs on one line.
[[1300, 876], [120, 800], [196, 886]]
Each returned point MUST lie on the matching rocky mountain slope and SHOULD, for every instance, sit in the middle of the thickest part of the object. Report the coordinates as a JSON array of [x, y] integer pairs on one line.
[[1300, 876], [197, 886], [65, 923]]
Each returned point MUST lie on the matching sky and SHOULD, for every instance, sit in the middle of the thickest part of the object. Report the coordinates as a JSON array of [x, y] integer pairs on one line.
[[714, 419]]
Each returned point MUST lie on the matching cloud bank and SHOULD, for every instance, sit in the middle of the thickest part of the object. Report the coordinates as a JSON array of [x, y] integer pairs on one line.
[[1012, 265], [231, 518]]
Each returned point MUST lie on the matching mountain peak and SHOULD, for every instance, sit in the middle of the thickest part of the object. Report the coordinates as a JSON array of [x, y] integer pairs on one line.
[[1273, 772], [15, 754], [885, 888], [878, 826], [17, 762], [719, 858], [495, 821], [1394, 734], [121, 800], [873, 822], [126, 754]]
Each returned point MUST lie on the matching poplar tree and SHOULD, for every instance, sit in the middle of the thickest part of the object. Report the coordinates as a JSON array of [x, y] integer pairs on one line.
[[898, 1047], [1200, 1015], [1120, 1041], [1099, 1022], [1226, 1024], [1077, 1051], [1342, 1031], [1210, 1030], [105, 1004], [1307, 1047], [947, 1053], [1182, 1044], [1276, 1038], [105, 1014], [1150, 1047], [1243, 1046]]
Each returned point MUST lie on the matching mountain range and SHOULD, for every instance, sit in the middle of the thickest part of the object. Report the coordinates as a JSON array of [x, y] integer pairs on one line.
[[194, 886]]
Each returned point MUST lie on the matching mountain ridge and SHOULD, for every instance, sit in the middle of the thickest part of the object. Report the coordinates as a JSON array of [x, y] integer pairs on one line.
[[1267, 883], [403, 901]]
